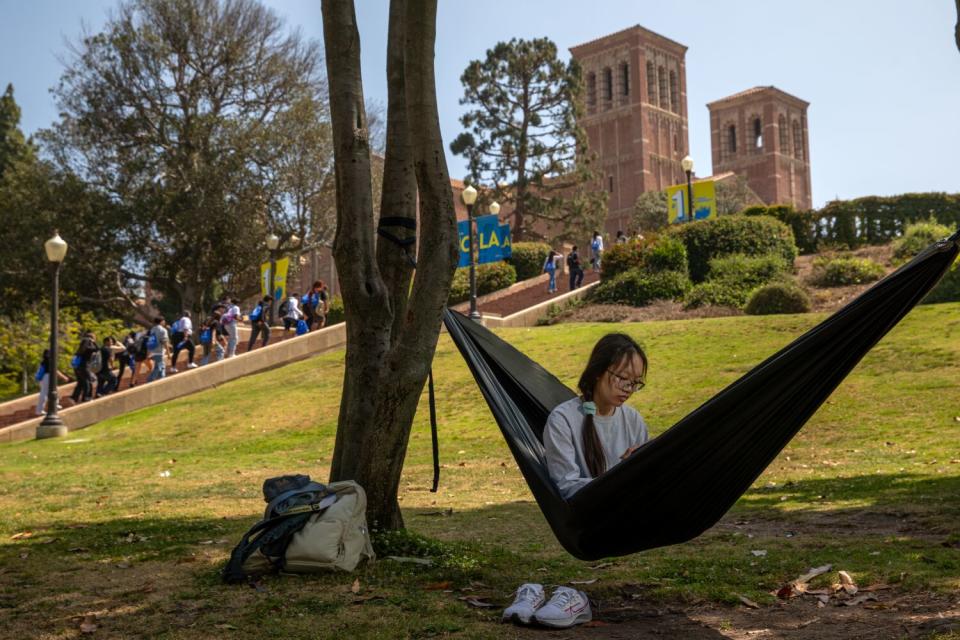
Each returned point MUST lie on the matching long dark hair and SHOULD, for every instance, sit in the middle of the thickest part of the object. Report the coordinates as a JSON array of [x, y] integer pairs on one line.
[[610, 350]]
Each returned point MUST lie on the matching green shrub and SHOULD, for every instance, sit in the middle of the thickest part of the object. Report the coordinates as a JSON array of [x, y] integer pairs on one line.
[[948, 290], [718, 294], [746, 272], [491, 277], [749, 235], [917, 237], [638, 287], [838, 272], [667, 254], [528, 258], [620, 258], [335, 312], [778, 297]]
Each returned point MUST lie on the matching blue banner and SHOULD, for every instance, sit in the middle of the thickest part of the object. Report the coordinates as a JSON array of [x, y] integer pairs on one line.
[[495, 241], [463, 231]]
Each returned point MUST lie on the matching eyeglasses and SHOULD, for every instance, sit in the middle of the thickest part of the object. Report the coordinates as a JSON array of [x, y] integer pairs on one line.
[[625, 384]]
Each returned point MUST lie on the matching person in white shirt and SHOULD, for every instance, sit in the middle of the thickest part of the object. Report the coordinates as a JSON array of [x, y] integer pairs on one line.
[[182, 338], [587, 435], [229, 320], [596, 249], [292, 312]]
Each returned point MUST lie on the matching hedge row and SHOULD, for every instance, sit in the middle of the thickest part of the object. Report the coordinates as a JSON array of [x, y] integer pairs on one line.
[[491, 277], [528, 258], [863, 221]]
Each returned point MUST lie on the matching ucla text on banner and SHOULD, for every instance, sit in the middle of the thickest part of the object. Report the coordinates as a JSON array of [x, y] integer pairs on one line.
[[279, 278], [489, 243], [506, 242], [704, 202], [463, 241]]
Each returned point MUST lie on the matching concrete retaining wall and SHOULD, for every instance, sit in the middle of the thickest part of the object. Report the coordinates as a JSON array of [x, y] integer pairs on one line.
[[187, 382]]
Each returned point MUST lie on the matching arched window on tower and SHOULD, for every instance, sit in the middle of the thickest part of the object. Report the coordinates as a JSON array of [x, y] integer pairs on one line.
[[784, 135], [797, 141], [607, 84], [674, 93], [624, 79], [591, 92], [757, 134], [651, 84], [662, 87]]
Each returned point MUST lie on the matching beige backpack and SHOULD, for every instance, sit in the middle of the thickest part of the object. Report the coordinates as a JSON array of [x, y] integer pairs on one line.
[[315, 528]]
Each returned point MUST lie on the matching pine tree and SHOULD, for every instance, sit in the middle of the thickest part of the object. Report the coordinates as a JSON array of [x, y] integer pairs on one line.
[[13, 145], [523, 138]]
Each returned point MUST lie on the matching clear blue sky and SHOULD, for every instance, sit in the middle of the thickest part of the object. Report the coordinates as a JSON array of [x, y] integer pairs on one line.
[[882, 76]]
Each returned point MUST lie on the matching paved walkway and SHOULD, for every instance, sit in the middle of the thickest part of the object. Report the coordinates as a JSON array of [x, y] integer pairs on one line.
[[534, 295]]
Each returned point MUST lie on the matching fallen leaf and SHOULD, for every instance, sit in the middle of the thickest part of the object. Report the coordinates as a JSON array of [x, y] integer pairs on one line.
[[602, 565], [852, 602], [362, 599], [78, 549], [88, 624], [760, 553], [24, 555], [205, 542], [23, 535], [877, 587], [49, 541], [355, 588], [474, 601], [228, 627], [847, 583], [748, 602], [591, 581], [122, 565], [823, 599], [444, 513], [813, 573], [424, 561], [438, 586]]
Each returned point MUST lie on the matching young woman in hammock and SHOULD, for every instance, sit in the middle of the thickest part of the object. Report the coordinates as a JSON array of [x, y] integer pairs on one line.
[[587, 435], [584, 437]]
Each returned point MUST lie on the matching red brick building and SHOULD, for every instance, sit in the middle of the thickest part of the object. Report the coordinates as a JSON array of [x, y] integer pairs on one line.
[[635, 86], [761, 133]]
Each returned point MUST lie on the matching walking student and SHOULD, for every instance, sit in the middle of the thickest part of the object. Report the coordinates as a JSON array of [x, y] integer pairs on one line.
[[260, 323], [86, 379], [43, 377], [319, 305], [158, 344], [182, 338], [230, 319], [291, 312], [596, 249], [576, 271], [106, 380], [550, 267]]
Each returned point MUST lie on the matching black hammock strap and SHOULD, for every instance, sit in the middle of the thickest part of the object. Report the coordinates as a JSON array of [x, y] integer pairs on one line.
[[433, 433], [403, 243], [679, 484]]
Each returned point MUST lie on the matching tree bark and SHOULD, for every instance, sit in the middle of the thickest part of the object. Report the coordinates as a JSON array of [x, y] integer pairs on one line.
[[390, 344]]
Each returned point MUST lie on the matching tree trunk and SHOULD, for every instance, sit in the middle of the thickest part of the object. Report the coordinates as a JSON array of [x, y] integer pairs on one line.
[[390, 344]]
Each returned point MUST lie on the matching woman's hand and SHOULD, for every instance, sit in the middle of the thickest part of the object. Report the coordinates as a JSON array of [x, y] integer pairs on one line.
[[629, 452]]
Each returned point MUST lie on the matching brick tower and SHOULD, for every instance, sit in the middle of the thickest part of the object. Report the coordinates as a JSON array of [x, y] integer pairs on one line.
[[635, 85], [761, 134]]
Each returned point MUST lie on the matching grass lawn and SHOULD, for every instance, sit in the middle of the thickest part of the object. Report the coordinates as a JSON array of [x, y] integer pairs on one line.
[[130, 520]]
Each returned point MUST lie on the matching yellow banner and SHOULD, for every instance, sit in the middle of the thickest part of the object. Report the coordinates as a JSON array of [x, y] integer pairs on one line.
[[279, 279], [704, 202]]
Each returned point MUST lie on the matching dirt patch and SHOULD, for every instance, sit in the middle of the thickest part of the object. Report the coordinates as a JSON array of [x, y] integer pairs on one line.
[[893, 616], [659, 310]]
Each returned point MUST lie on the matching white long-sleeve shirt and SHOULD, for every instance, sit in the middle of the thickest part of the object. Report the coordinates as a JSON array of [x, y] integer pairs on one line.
[[563, 442]]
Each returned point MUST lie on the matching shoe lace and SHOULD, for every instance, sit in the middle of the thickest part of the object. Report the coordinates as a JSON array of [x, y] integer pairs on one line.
[[562, 597], [527, 593]]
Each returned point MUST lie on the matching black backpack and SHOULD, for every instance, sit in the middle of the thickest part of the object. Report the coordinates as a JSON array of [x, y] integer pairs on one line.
[[284, 308]]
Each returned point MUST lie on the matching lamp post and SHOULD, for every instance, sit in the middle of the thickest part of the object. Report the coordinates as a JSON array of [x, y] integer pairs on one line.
[[687, 165], [52, 426], [469, 196], [272, 243]]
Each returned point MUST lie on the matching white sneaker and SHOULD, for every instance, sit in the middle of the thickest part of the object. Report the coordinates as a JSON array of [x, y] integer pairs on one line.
[[172, 370], [192, 365], [529, 598], [566, 608]]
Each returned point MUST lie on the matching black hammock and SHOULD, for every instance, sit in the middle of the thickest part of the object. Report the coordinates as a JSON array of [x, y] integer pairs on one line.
[[679, 484]]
